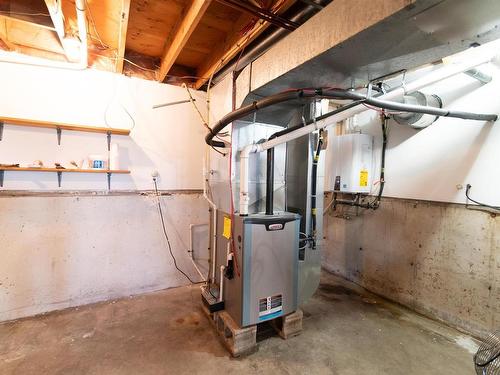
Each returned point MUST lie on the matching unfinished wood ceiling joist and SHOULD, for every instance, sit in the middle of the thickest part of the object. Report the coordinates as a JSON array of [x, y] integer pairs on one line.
[[122, 36], [236, 42], [171, 41], [176, 43]]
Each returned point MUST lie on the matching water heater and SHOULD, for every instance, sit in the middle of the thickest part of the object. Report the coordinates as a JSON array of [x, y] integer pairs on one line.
[[349, 163]]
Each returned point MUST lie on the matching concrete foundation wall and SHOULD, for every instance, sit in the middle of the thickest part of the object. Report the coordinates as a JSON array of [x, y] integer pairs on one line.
[[63, 251], [437, 258], [58, 249]]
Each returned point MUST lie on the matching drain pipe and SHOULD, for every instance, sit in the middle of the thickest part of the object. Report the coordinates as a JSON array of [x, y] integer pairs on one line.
[[221, 283], [213, 209], [82, 31], [244, 163]]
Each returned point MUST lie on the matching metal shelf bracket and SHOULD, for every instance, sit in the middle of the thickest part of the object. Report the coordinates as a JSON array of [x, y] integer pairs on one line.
[[59, 133], [109, 140]]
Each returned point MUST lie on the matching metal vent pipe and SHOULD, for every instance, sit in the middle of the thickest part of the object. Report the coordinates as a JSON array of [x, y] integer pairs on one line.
[[262, 46]]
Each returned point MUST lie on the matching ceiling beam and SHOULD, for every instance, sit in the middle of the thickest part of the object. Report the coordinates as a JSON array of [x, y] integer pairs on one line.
[[235, 44], [122, 37], [23, 33], [178, 41]]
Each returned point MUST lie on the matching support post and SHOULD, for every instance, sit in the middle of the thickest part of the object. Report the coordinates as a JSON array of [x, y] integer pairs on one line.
[[59, 178], [1, 130], [1, 177], [59, 133], [109, 180]]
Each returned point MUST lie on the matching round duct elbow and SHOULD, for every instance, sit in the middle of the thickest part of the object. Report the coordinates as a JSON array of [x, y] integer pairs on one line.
[[418, 120]]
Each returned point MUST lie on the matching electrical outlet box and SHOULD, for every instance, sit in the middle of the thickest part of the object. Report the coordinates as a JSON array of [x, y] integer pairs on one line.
[[349, 163]]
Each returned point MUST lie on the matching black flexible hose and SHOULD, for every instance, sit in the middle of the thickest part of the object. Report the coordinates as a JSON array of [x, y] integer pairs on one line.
[[336, 94], [251, 108], [467, 192]]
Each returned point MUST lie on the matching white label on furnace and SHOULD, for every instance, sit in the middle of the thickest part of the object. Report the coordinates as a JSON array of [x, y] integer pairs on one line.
[[270, 305]]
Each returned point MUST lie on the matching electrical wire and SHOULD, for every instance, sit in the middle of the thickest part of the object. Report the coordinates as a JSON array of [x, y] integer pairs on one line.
[[104, 45], [191, 99], [233, 251], [203, 121], [24, 14], [106, 111], [376, 202], [467, 191], [219, 152], [107, 47], [166, 235], [382, 111]]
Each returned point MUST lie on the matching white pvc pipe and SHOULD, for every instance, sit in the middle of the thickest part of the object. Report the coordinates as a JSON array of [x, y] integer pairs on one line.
[[213, 239], [433, 77], [17, 58], [244, 165], [221, 283], [198, 270], [82, 31], [478, 56]]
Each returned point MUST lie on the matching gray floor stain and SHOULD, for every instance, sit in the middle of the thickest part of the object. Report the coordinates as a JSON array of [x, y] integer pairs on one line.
[[347, 331]]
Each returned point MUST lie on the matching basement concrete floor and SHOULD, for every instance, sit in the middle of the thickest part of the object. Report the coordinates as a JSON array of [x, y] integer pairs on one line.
[[346, 331]]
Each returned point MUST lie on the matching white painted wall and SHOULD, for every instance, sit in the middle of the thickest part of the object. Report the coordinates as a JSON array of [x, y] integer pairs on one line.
[[168, 139], [67, 250], [429, 164]]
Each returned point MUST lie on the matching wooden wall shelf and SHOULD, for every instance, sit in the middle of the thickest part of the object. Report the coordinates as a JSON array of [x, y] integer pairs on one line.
[[60, 126], [59, 172], [65, 170], [54, 125]]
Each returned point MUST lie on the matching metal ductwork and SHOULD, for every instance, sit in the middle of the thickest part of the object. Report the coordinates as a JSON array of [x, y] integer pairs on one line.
[[418, 120], [261, 46]]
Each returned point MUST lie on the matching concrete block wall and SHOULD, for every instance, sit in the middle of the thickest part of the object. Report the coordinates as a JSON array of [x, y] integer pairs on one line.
[[439, 259], [59, 251]]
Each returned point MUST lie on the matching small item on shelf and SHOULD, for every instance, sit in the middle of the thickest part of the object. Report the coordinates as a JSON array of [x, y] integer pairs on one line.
[[84, 163], [59, 166], [36, 164], [73, 165], [9, 165], [114, 157], [97, 162]]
